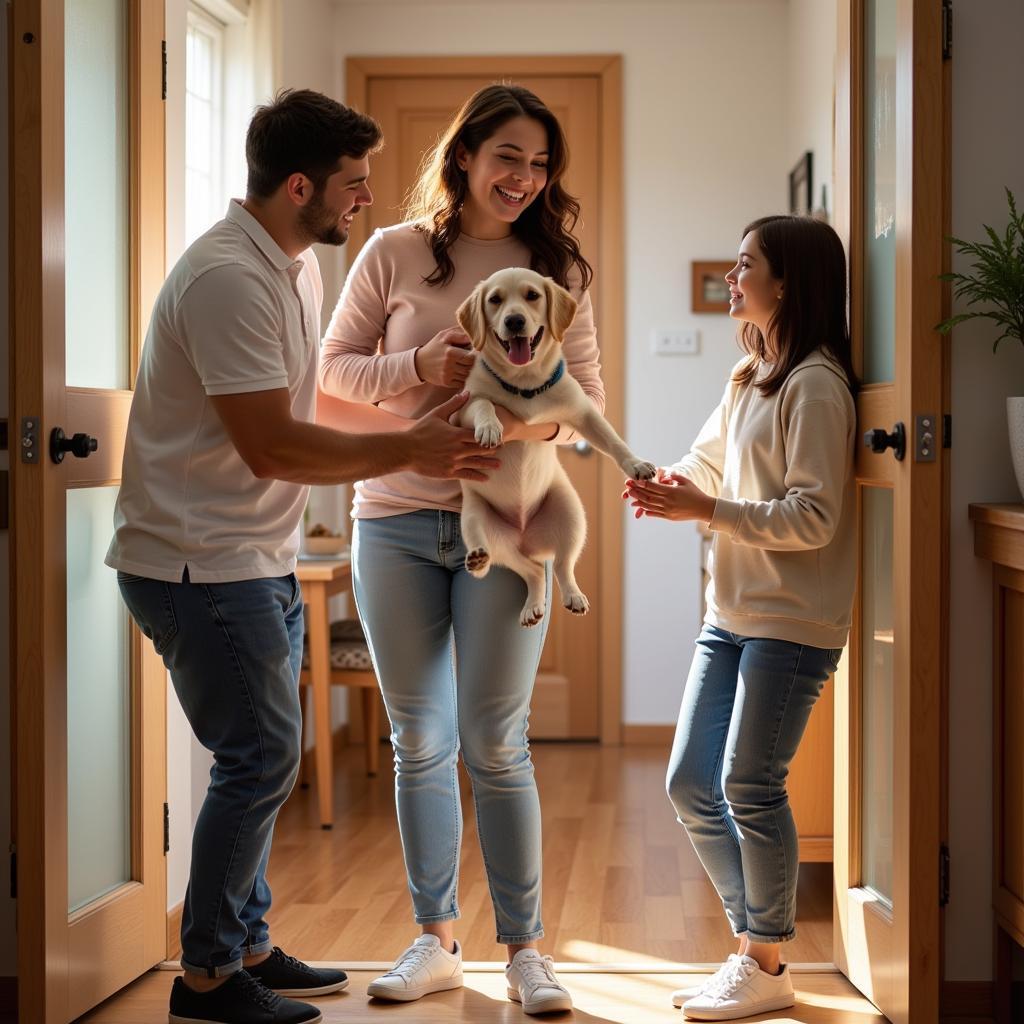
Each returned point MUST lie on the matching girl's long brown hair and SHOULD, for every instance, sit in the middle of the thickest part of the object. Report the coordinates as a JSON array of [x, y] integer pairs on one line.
[[807, 256], [545, 226]]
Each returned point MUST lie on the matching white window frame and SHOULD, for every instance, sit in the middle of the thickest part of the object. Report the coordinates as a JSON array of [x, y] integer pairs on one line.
[[201, 23]]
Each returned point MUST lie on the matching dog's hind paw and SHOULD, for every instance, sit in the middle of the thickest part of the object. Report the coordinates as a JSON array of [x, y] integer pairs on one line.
[[478, 561], [637, 469], [577, 603], [532, 614]]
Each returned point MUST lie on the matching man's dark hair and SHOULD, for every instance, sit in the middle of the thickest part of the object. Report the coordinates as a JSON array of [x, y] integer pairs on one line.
[[306, 132]]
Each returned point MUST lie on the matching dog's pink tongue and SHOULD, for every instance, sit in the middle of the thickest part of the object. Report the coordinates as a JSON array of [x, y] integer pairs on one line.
[[519, 351]]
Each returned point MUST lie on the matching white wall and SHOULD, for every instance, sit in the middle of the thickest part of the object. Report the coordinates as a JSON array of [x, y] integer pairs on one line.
[[705, 152], [988, 153], [810, 90], [7, 906]]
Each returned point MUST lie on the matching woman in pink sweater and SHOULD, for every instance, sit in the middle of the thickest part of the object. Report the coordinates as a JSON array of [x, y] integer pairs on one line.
[[456, 668], [771, 473]]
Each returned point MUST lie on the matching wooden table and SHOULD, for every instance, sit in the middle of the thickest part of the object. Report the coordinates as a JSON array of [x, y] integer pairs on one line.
[[320, 579]]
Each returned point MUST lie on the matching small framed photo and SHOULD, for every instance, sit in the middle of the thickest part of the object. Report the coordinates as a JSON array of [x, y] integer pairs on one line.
[[710, 293], [801, 186]]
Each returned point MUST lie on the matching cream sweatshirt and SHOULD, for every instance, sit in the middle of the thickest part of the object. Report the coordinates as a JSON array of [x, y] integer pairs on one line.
[[386, 311], [783, 557]]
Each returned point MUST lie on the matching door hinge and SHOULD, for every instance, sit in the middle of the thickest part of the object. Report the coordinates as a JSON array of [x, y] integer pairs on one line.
[[947, 29], [163, 69], [167, 828], [943, 875], [947, 431], [14, 872]]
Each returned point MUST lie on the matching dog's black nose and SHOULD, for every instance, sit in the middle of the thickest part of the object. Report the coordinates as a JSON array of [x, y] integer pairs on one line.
[[515, 322]]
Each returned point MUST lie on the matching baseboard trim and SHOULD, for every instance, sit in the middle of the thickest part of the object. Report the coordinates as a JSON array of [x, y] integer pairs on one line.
[[174, 932], [648, 735]]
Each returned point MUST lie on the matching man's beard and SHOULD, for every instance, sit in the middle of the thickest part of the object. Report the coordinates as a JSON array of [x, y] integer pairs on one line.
[[321, 224]]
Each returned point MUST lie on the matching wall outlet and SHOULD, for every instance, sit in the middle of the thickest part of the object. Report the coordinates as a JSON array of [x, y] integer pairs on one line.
[[675, 342]]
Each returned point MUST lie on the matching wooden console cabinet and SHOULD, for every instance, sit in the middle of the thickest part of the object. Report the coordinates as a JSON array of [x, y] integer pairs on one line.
[[999, 537]]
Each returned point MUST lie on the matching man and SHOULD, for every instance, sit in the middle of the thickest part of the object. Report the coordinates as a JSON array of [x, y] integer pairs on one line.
[[221, 445]]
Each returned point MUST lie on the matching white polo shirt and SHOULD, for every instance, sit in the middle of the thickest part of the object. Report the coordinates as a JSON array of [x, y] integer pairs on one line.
[[235, 315]]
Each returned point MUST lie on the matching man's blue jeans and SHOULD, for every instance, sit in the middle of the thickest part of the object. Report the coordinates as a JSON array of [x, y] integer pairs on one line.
[[457, 671], [744, 711], [234, 651]]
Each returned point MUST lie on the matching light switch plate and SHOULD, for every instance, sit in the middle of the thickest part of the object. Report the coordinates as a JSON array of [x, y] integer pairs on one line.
[[675, 341]]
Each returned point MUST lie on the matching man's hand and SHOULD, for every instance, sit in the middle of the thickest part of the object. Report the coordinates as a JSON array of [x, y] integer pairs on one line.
[[670, 496], [446, 359], [439, 449]]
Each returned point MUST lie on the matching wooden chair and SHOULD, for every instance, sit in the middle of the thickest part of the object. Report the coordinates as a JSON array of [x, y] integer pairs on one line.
[[351, 666]]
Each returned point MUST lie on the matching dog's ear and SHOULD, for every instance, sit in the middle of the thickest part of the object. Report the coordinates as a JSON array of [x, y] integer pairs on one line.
[[561, 308], [470, 316]]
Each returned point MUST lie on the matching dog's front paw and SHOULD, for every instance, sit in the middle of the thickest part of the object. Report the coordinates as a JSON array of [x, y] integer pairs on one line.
[[532, 614], [637, 469], [489, 435], [478, 561], [577, 603]]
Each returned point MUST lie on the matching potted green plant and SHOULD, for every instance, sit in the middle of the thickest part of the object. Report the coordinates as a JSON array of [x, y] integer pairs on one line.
[[996, 279]]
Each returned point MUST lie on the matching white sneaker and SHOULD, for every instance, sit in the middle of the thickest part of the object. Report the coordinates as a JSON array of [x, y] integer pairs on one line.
[[741, 988], [532, 981], [682, 995], [425, 967]]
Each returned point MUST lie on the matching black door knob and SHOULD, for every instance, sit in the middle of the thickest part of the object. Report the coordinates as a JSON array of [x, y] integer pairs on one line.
[[878, 440], [80, 445]]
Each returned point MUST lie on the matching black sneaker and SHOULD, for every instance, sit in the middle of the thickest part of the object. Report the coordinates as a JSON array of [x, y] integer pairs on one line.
[[290, 977], [240, 1000]]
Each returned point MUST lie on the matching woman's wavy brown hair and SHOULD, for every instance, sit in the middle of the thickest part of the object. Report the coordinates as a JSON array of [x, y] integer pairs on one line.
[[807, 256], [545, 226]]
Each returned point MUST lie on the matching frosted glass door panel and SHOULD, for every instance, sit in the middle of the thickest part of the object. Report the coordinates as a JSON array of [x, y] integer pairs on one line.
[[877, 698], [880, 191], [96, 188], [99, 705]]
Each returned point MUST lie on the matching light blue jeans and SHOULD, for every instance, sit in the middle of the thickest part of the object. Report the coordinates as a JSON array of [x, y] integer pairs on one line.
[[457, 671], [744, 711]]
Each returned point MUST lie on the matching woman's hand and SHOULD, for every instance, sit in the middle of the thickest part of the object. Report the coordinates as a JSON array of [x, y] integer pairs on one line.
[[446, 359], [669, 496], [515, 429]]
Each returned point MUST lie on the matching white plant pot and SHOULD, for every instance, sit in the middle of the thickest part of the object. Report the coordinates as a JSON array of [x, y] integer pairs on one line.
[[1015, 423]]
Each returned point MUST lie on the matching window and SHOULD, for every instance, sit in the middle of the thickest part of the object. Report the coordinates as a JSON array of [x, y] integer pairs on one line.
[[205, 194]]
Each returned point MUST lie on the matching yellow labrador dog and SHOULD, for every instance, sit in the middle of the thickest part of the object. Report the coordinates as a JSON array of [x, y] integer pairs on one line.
[[527, 511]]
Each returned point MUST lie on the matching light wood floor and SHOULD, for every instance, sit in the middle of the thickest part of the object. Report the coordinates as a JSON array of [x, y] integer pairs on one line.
[[599, 999], [621, 881], [622, 886]]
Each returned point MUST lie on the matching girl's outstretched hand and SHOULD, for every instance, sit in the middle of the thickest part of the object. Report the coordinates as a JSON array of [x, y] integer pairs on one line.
[[669, 496]]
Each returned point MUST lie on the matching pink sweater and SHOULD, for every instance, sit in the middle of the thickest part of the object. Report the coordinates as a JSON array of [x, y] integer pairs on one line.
[[386, 311]]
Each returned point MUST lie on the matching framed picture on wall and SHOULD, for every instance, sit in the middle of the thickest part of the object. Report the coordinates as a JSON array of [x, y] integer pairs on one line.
[[801, 186], [709, 292]]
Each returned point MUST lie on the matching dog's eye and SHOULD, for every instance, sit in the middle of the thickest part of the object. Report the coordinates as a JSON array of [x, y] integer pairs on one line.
[[532, 296], [495, 300]]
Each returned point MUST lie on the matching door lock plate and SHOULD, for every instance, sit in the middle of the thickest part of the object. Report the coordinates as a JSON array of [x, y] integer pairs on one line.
[[29, 441], [927, 437]]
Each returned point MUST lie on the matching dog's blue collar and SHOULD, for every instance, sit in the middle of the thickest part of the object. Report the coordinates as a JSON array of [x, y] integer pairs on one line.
[[528, 392]]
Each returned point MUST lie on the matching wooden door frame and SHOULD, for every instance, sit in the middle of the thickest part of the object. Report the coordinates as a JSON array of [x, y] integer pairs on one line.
[[609, 315], [922, 384], [47, 982]]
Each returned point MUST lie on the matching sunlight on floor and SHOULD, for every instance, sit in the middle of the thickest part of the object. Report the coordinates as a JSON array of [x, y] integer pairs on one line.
[[609, 957]]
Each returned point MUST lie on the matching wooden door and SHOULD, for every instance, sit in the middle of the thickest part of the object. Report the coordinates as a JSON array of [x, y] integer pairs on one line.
[[87, 127], [578, 689], [892, 204]]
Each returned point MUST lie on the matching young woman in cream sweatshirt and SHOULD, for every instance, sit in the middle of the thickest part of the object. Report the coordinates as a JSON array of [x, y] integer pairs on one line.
[[771, 473]]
